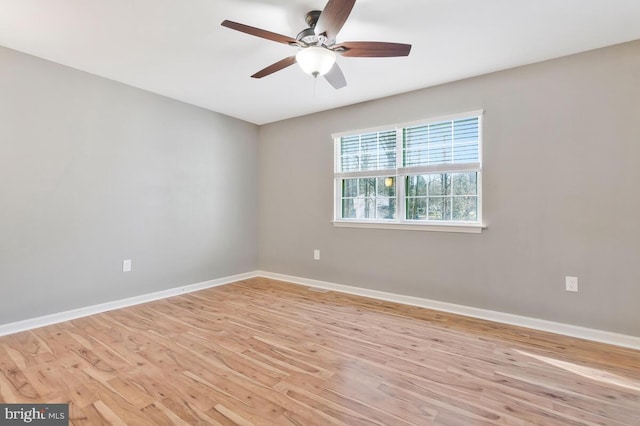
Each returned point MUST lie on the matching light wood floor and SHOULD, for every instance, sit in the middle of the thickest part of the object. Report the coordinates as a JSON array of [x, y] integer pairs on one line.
[[269, 353]]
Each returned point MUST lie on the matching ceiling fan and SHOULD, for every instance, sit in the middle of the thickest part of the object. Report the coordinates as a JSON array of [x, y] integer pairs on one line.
[[318, 46]]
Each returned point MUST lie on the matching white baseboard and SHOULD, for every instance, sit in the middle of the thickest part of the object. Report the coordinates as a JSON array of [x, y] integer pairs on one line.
[[632, 342], [42, 321], [624, 340]]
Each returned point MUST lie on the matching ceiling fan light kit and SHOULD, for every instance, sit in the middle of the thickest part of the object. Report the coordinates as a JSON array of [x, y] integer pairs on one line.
[[315, 60], [317, 44]]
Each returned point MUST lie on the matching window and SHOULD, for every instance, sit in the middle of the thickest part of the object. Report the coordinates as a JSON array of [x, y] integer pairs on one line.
[[424, 175]]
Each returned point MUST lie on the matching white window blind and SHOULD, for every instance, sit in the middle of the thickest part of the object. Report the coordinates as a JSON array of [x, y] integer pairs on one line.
[[368, 151], [452, 145]]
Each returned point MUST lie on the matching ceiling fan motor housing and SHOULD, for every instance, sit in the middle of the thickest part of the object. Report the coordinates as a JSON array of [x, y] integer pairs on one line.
[[307, 36], [312, 18]]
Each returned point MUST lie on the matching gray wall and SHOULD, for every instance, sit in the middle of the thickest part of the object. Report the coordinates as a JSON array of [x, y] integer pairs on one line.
[[93, 172], [561, 196]]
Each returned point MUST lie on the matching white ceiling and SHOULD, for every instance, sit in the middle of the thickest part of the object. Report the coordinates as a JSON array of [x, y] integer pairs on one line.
[[178, 49]]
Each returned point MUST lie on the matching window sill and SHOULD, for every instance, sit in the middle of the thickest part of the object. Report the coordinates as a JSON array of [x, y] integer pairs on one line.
[[431, 227]]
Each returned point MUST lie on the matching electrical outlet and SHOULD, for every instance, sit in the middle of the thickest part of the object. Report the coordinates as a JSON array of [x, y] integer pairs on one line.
[[316, 254], [571, 283], [126, 265]]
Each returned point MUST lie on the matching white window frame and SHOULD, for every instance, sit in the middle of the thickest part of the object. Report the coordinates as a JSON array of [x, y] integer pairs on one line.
[[400, 173]]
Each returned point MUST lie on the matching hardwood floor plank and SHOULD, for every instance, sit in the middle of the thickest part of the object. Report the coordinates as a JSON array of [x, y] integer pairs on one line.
[[26, 350], [13, 381], [108, 414], [89, 416], [264, 352], [281, 405], [353, 393]]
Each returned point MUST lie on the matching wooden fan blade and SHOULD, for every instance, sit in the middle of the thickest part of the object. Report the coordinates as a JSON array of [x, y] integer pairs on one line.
[[282, 64], [335, 77], [333, 17], [259, 32], [372, 49]]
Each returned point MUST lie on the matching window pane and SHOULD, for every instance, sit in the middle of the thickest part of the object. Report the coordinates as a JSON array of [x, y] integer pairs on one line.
[[386, 208], [387, 150], [368, 198], [348, 209], [350, 187], [350, 153], [465, 140], [415, 137], [453, 141], [465, 183], [416, 185], [369, 161], [368, 151], [466, 130], [465, 153], [350, 144], [369, 208], [367, 187], [439, 208], [449, 197], [387, 186], [416, 208], [440, 133], [440, 154], [350, 163], [439, 184], [416, 157], [359, 205], [465, 208]]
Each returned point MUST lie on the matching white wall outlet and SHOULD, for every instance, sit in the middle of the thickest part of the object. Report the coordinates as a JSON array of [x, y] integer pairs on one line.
[[571, 283], [126, 265], [316, 254]]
